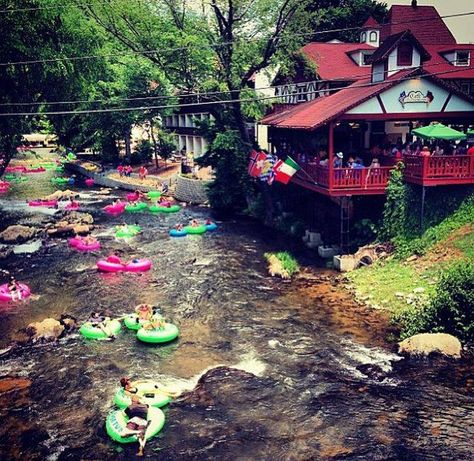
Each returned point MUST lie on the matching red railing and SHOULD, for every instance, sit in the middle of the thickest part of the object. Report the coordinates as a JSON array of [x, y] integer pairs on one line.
[[353, 179], [440, 169]]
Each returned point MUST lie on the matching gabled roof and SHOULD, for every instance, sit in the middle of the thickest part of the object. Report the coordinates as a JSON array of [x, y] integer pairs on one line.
[[371, 23], [438, 63], [391, 43], [313, 114], [425, 22], [333, 61]]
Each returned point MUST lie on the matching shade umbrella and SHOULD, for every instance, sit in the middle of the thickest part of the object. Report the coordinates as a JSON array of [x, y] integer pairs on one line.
[[439, 131]]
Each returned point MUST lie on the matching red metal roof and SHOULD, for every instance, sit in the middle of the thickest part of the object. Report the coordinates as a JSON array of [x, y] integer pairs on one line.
[[424, 22], [392, 42], [438, 63], [313, 114], [333, 61], [371, 23]]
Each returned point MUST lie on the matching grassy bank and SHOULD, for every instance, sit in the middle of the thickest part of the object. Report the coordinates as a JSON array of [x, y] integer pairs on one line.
[[407, 280]]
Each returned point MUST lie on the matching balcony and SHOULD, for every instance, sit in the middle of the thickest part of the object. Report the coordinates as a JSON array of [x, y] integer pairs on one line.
[[439, 170]]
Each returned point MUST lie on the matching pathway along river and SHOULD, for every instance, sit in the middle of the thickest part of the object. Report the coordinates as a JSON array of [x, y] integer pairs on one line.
[[284, 368]]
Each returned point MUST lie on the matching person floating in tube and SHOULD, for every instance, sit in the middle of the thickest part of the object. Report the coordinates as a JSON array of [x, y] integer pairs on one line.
[[138, 422], [101, 321], [14, 289]]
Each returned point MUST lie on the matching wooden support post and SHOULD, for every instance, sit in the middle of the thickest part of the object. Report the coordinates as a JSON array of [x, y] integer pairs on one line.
[[422, 217], [331, 154]]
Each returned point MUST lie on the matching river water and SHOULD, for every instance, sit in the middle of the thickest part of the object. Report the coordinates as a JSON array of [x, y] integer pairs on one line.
[[269, 370]]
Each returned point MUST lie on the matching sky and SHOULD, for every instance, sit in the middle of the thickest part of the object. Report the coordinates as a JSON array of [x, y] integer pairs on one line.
[[462, 27]]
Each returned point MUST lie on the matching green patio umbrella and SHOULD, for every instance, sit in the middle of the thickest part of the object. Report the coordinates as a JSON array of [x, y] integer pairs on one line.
[[438, 131]]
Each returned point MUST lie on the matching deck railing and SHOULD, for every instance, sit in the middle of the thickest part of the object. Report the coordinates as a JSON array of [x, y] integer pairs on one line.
[[363, 179], [439, 169]]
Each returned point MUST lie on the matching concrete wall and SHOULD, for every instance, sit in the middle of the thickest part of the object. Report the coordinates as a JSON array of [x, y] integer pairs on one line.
[[191, 190]]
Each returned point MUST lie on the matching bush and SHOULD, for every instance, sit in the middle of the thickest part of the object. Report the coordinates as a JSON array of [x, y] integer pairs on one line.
[[289, 264], [450, 311], [143, 153], [453, 303]]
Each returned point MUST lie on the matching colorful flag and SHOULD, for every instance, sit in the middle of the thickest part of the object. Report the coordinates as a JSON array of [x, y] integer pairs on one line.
[[266, 167], [284, 170], [256, 163]]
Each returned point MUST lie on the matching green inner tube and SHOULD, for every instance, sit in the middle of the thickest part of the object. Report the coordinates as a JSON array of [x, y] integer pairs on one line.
[[48, 166], [131, 231], [59, 180], [154, 194], [117, 421], [164, 209], [195, 230], [168, 333], [14, 178], [91, 332], [138, 207], [131, 322], [149, 393]]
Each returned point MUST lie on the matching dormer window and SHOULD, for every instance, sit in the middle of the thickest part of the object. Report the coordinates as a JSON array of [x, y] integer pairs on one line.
[[462, 58], [373, 37], [366, 59], [405, 54], [363, 37]]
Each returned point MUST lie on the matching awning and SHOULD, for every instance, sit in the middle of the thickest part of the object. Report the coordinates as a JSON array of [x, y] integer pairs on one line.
[[439, 131]]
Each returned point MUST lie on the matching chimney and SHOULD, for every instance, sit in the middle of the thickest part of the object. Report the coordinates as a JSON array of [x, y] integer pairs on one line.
[[414, 3]]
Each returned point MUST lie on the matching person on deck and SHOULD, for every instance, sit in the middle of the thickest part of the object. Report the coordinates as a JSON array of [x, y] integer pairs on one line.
[[470, 151], [138, 422], [338, 160], [425, 152]]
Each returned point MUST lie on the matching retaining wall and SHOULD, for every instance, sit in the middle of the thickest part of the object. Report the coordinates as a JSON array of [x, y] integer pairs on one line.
[[191, 190]]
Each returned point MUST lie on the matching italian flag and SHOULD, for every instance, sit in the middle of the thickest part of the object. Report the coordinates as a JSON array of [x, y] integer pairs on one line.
[[284, 170]]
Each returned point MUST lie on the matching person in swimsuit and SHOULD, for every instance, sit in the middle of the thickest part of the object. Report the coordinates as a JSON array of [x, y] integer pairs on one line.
[[99, 320], [194, 223], [144, 312], [14, 289], [137, 424]]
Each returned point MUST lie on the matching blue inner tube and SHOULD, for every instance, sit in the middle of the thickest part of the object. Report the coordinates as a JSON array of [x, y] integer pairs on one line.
[[178, 233], [211, 227]]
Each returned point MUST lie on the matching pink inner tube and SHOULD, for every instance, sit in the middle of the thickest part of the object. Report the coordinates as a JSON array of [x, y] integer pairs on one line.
[[165, 203], [72, 206], [35, 170], [73, 242], [43, 203], [5, 294], [83, 246], [11, 169], [108, 266], [89, 182], [4, 184], [119, 208], [132, 197]]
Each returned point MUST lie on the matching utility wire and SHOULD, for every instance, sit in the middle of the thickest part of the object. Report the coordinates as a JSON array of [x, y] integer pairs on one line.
[[203, 46], [199, 95], [51, 7], [198, 104]]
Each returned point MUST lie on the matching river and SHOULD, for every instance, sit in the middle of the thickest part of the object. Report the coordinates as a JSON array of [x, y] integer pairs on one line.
[[269, 370]]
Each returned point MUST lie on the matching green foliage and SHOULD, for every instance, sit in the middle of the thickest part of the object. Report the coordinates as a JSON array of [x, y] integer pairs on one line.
[[395, 209], [365, 231], [228, 156], [288, 262], [462, 216], [450, 311], [166, 144], [143, 153]]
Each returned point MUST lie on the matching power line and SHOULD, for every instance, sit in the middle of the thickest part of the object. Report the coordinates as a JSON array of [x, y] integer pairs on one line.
[[52, 7], [199, 95], [203, 46], [175, 106]]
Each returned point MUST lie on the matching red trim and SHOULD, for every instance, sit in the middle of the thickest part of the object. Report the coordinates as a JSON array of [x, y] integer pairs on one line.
[[382, 106], [331, 152], [406, 116], [446, 102]]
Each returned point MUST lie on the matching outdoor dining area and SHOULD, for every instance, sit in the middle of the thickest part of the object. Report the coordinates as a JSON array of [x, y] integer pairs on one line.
[[438, 155]]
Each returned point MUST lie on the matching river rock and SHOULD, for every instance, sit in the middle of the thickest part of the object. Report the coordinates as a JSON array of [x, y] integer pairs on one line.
[[47, 330], [62, 195], [275, 267], [76, 217], [11, 384], [17, 234], [425, 344], [5, 252]]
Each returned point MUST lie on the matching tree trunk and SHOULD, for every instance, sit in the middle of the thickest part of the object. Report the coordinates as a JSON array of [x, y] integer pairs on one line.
[[155, 145], [239, 117], [128, 148]]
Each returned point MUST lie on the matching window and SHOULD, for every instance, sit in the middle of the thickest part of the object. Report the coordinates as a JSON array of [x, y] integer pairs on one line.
[[301, 93], [462, 58], [373, 37], [365, 59], [405, 54], [363, 37]]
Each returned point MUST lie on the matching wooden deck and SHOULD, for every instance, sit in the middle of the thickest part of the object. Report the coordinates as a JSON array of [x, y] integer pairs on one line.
[[425, 171]]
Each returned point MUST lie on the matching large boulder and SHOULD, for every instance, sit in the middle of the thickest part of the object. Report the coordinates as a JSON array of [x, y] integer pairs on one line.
[[47, 330], [425, 344], [76, 217], [62, 195], [18, 234]]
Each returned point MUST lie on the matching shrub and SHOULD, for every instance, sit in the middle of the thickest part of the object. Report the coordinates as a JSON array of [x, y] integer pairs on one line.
[[143, 153], [450, 311], [288, 262]]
